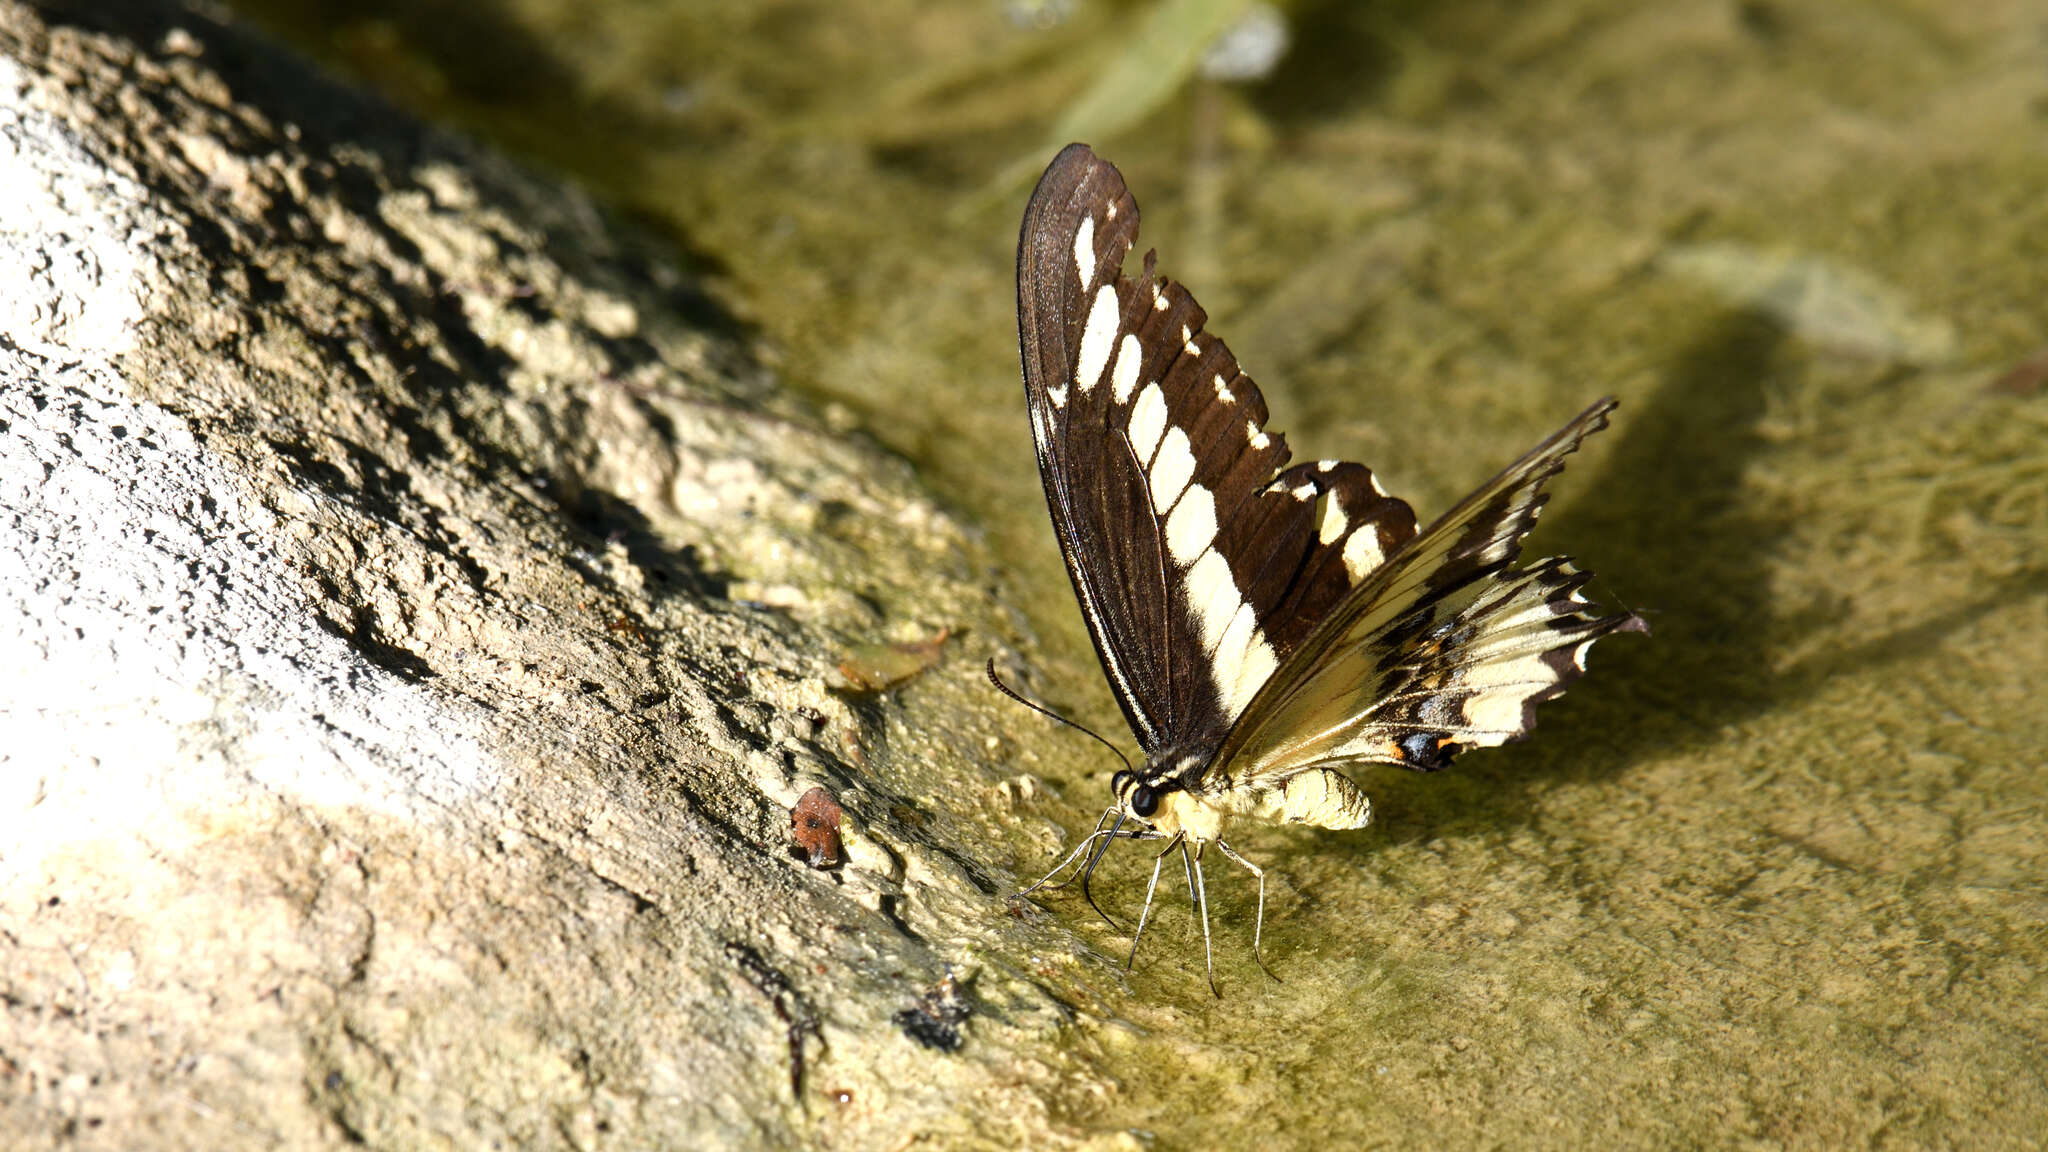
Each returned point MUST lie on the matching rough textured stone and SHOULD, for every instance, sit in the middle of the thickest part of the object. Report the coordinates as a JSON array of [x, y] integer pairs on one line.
[[417, 616]]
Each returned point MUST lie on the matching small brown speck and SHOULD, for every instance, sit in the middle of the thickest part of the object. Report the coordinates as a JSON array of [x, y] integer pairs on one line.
[[2023, 379], [814, 823]]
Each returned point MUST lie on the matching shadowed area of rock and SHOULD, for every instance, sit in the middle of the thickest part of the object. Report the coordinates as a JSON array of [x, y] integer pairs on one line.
[[418, 614]]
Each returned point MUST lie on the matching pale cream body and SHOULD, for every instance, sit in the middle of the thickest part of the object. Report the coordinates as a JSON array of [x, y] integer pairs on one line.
[[1320, 796]]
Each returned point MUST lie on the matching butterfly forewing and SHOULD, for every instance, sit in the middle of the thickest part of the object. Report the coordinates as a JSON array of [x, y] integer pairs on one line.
[[1443, 647], [1201, 560]]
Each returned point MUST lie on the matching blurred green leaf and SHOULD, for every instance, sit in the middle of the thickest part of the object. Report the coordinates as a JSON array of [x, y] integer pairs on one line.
[[1153, 65], [1162, 52]]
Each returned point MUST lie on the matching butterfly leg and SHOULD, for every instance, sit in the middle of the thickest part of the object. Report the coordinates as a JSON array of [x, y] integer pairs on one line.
[[1087, 842], [1192, 861], [1095, 861], [1146, 913], [1259, 925]]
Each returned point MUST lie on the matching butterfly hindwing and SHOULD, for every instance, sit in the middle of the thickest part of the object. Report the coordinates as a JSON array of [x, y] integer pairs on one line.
[[1447, 646], [1200, 559]]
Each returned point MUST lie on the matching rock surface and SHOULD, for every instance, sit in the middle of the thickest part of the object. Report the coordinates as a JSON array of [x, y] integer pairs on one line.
[[418, 614]]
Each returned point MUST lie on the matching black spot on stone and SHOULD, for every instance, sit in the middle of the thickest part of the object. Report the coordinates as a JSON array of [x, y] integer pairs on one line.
[[935, 1020]]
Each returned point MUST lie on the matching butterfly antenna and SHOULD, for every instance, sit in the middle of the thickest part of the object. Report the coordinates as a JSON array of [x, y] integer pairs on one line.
[[1042, 710]]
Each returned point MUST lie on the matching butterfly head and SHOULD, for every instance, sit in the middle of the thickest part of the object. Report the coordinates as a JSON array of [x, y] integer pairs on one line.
[[1139, 796], [1158, 796]]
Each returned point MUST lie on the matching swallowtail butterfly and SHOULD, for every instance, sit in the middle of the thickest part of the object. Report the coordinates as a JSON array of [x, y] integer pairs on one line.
[[1262, 624]]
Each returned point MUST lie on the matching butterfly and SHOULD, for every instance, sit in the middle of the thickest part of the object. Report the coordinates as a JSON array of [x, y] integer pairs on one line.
[[1263, 625]]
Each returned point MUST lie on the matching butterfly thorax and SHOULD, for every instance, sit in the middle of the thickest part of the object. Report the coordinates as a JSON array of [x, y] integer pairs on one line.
[[1161, 796], [1188, 796]]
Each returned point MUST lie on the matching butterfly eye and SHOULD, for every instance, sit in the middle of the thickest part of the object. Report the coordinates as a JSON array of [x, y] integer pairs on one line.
[[1144, 801]]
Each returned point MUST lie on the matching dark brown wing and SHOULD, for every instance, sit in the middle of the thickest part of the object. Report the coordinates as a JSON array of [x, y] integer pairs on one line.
[[1200, 559]]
